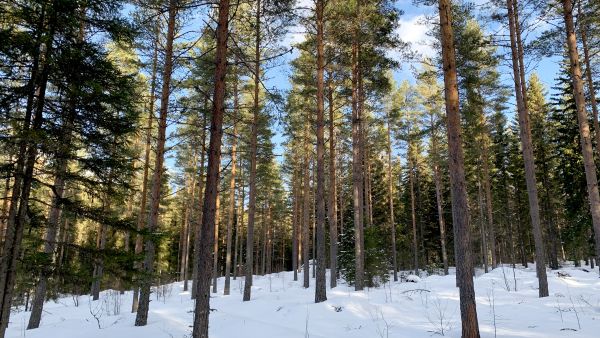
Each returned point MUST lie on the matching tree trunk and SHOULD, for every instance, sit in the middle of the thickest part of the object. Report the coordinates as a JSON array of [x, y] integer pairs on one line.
[[460, 216], [332, 201], [306, 220], [583, 31], [438, 193], [62, 162], [99, 261], [482, 230], [240, 222], [584, 128], [186, 231], [295, 223], [202, 307], [215, 265], [527, 149], [141, 318], [139, 243], [488, 202], [231, 191], [269, 240], [357, 167], [320, 288], [198, 225], [23, 174], [391, 197], [413, 211], [253, 155]]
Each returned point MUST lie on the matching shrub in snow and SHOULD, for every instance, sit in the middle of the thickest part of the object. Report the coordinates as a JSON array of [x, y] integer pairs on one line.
[[413, 278]]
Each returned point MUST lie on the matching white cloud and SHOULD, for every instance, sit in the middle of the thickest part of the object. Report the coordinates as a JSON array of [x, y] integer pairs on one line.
[[414, 30]]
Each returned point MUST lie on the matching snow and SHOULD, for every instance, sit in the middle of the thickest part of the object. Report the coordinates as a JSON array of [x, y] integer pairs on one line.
[[280, 307]]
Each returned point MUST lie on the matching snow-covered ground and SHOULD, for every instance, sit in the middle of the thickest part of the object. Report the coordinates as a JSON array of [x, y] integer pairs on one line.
[[281, 308]]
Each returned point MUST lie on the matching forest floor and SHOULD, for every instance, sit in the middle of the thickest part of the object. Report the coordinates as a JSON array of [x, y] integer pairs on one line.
[[282, 308]]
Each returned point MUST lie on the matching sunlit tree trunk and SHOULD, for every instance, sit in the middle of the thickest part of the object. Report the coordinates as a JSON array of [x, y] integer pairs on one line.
[[357, 166], [584, 128], [332, 200], [209, 208], [391, 197], [527, 149], [142, 215], [253, 155], [320, 288], [460, 216], [231, 212]]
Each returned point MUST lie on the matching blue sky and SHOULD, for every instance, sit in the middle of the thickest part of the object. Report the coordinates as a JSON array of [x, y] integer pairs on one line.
[[413, 30]]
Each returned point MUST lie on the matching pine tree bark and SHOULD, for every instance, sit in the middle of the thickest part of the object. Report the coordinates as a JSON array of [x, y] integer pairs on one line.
[[62, 161], [332, 201], [240, 222], [527, 149], [139, 240], [202, 307], [53, 223], [23, 174], [438, 193], [460, 211], [391, 197], [306, 220], [99, 262], [482, 230], [487, 189], [295, 222], [141, 318], [583, 31], [198, 223], [413, 211], [186, 231], [357, 166], [253, 155], [320, 288], [216, 245], [231, 212], [584, 128], [215, 266]]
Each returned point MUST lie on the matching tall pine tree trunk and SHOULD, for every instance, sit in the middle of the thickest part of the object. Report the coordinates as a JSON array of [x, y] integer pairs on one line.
[[209, 209], [527, 149], [584, 128], [24, 167], [231, 212], [141, 318], [391, 197], [583, 29], [332, 201], [240, 223], [198, 225], [487, 187], [253, 155], [320, 288], [357, 167], [295, 222], [142, 215], [482, 230], [52, 226], [306, 220], [413, 211], [438, 193], [215, 266], [186, 231], [62, 162], [460, 211]]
